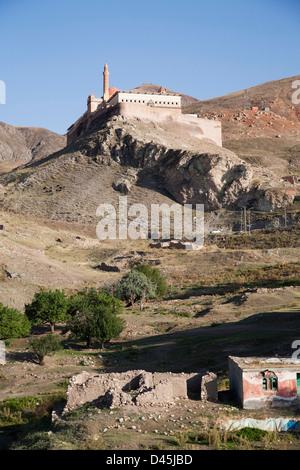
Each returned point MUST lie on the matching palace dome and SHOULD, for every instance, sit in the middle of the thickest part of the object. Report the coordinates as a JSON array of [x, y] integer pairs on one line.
[[112, 90]]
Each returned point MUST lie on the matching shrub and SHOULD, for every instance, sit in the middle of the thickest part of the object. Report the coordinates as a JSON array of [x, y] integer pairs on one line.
[[47, 307], [135, 286], [45, 346], [155, 276], [13, 324]]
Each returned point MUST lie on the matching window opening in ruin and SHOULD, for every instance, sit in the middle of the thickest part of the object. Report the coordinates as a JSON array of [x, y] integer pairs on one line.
[[270, 384]]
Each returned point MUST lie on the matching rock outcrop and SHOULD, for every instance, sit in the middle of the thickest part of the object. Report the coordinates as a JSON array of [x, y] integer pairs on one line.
[[271, 196], [215, 180]]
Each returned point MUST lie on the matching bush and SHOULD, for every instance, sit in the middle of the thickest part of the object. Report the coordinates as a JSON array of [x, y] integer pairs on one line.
[[13, 324], [155, 276], [45, 346], [47, 307], [135, 286]]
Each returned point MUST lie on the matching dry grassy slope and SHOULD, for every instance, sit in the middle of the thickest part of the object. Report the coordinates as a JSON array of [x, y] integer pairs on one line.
[[275, 94], [23, 144], [266, 138], [52, 254]]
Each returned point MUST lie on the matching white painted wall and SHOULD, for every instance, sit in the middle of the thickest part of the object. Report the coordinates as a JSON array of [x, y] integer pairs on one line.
[[166, 101]]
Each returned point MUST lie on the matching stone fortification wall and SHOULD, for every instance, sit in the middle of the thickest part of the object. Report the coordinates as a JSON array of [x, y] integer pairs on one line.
[[182, 124]]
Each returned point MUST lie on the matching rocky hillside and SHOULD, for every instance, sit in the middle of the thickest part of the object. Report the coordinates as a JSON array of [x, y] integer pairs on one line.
[[149, 163], [269, 138], [23, 144]]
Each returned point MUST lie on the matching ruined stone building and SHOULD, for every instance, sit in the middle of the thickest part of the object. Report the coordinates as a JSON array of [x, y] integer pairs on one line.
[[139, 388], [161, 107]]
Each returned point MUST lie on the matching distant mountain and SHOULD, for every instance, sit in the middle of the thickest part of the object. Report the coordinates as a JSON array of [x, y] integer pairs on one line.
[[150, 87], [268, 137], [276, 95], [23, 144]]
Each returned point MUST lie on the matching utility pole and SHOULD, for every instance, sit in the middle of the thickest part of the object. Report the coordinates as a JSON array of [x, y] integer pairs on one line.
[[245, 219], [241, 219], [249, 212], [285, 218], [246, 100]]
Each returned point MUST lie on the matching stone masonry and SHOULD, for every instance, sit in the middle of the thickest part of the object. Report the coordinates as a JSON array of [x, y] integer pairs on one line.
[[139, 388]]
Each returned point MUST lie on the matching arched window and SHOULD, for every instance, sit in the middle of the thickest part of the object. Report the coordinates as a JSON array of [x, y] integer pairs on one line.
[[269, 382]]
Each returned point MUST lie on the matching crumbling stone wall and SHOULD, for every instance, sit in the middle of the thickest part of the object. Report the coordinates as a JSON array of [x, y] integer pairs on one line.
[[139, 388], [209, 389]]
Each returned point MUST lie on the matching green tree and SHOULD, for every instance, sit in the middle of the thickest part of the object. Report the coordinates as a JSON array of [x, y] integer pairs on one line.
[[13, 324], [45, 346], [94, 316], [92, 298], [135, 286], [155, 276], [48, 307]]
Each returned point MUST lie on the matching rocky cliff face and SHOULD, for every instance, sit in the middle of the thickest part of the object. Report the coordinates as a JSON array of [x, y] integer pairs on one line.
[[197, 173], [146, 161], [214, 180]]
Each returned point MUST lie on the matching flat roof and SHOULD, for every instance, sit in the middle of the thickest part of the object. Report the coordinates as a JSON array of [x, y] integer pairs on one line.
[[144, 93], [253, 363]]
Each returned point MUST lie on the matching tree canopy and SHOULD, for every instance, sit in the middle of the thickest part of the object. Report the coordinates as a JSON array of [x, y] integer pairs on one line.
[[13, 324], [48, 307], [94, 316]]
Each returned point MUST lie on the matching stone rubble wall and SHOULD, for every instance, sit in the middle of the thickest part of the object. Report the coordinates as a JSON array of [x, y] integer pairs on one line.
[[139, 388]]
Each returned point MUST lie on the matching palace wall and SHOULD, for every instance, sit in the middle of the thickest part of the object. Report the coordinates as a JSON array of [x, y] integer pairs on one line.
[[172, 117]]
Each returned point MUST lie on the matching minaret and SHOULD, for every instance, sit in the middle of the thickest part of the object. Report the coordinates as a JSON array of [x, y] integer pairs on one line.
[[105, 83]]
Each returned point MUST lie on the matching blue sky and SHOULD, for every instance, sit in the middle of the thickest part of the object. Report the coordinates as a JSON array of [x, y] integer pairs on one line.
[[53, 52]]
